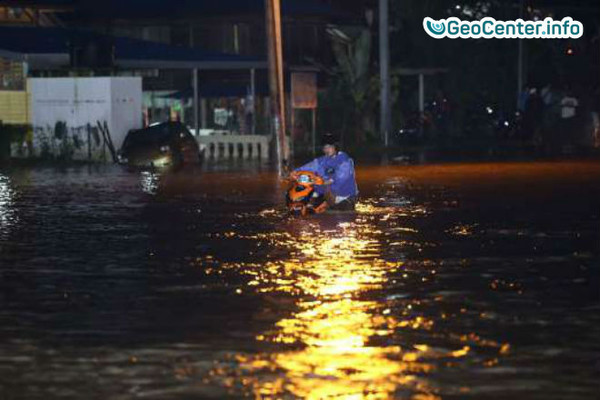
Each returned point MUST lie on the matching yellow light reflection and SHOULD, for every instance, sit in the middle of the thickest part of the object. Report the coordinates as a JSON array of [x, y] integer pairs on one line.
[[329, 351], [337, 337]]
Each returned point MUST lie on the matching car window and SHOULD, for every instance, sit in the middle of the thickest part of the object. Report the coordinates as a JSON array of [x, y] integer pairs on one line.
[[153, 135]]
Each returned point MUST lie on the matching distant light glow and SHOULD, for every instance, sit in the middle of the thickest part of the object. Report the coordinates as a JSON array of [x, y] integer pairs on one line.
[[7, 211], [162, 161]]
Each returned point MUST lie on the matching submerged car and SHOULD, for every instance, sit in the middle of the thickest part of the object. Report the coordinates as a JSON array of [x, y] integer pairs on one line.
[[164, 144]]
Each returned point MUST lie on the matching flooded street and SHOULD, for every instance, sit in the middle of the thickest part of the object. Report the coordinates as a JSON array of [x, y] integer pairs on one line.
[[450, 281]]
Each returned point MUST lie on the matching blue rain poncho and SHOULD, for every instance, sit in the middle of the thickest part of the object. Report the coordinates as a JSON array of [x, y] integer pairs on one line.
[[339, 169]]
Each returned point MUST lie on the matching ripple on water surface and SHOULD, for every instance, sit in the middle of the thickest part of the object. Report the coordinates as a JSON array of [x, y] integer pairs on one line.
[[448, 281]]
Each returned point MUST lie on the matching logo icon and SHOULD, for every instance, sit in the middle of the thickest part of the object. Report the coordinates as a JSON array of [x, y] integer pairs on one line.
[[435, 29]]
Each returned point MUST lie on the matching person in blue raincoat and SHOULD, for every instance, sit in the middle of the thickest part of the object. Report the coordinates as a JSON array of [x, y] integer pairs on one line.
[[337, 169]]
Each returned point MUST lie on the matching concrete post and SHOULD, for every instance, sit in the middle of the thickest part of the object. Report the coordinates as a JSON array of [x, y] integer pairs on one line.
[[253, 94], [203, 114]]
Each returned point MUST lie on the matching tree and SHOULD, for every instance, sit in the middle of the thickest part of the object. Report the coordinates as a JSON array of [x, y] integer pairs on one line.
[[353, 76]]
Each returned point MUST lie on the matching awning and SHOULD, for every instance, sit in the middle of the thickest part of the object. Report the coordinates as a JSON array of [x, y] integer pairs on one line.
[[86, 10], [218, 90], [50, 48]]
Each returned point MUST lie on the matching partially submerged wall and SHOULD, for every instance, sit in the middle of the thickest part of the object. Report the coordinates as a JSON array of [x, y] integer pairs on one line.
[[82, 118]]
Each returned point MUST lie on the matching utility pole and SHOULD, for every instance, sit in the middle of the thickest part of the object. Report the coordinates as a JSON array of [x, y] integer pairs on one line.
[[276, 88], [196, 117], [520, 60], [384, 71], [195, 88]]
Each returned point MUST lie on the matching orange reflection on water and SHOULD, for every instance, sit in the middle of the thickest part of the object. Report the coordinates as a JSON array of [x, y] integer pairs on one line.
[[329, 350]]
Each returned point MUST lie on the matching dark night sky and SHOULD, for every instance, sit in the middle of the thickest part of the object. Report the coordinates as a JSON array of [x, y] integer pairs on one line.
[[160, 8]]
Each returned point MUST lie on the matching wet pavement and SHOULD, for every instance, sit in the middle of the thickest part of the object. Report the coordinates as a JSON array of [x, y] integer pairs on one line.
[[450, 281]]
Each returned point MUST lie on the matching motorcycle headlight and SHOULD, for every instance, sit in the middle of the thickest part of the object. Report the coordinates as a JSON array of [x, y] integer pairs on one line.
[[304, 179]]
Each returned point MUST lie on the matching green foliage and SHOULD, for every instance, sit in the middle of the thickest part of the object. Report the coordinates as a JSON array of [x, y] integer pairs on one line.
[[77, 142], [14, 133], [66, 149], [46, 143], [60, 130], [56, 144], [349, 106], [11, 133], [479, 72]]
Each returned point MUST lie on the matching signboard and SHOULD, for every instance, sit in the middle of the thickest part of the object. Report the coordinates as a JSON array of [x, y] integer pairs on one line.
[[221, 116], [304, 90]]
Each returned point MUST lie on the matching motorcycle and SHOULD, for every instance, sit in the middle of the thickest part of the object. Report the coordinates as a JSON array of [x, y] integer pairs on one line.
[[301, 197]]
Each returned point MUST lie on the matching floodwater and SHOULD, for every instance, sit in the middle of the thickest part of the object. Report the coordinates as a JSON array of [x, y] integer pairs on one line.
[[450, 281]]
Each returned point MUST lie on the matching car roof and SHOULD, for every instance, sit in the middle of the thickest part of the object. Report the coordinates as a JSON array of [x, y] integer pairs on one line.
[[162, 131]]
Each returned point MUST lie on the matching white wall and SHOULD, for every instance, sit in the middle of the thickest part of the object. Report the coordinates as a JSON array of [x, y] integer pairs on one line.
[[76, 101], [126, 108], [82, 101]]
